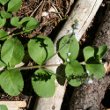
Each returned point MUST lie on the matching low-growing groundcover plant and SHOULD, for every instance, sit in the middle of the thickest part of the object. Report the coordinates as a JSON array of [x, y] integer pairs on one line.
[[40, 49]]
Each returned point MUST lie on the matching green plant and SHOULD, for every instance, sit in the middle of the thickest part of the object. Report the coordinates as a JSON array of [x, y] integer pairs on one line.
[[3, 107], [40, 49]]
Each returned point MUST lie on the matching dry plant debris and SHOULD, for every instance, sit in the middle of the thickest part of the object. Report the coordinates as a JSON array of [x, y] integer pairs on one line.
[[48, 12]]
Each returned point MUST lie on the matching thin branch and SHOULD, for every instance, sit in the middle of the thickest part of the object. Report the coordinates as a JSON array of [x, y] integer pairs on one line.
[[36, 9]]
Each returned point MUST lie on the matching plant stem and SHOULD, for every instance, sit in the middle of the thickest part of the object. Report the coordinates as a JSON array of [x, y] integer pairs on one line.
[[37, 66], [17, 34], [43, 66]]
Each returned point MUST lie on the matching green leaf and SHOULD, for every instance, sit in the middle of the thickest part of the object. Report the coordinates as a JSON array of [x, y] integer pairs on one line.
[[3, 2], [0, 47], [74, 69], [2, 64], [49, 46], [3, 35], [29, 20], [40, 49], [74, 72], [102, 50], [3, 107], [44, 83], [2, 22], [30, 23], [24, 20], [5, 14], [12, 52], [75, 82], [93, 60], [15, 22], [68, 48], [88, 52], [14, 5], [11, 82], [97, 70]]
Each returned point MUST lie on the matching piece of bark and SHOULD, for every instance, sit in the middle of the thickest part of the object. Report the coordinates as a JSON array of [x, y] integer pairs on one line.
[[89, 96], [83, 12]]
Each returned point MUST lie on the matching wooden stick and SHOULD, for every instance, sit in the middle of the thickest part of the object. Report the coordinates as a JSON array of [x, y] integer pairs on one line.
[[83, 12], [14, 105]]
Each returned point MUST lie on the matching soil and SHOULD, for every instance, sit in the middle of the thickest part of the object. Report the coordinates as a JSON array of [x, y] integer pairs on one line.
[[48, 12], [6, 97]]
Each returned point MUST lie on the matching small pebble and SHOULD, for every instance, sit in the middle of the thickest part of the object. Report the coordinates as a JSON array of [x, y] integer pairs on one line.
[[45, 13]]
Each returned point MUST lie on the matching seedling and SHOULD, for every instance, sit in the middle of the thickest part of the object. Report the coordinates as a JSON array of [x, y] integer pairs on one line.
[[41, 49]]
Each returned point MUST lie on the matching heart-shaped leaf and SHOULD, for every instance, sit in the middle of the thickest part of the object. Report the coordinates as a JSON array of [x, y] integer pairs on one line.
[[68, 48], [12, 52], [40, 49], [43, 83], [14, 5], [11, 82]]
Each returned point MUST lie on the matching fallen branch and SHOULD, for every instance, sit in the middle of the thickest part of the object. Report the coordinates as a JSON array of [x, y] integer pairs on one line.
[[83, 12]]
